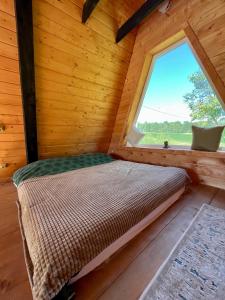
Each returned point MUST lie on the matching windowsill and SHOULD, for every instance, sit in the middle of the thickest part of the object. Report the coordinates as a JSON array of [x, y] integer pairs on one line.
[[173, 147], [175, 150]]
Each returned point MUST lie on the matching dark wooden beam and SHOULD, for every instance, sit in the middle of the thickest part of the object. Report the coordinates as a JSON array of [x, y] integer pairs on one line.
[[89, 6], [148, 7], [24, 21]]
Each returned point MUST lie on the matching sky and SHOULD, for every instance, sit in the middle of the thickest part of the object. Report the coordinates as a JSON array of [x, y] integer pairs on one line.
[[168, 84]]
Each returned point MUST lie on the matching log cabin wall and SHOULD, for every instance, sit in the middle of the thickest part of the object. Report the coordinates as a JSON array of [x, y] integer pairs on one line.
[[80, 74], [12, 147], [206, 19]]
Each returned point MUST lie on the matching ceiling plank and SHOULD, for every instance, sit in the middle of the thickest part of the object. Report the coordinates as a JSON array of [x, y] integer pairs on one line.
[[148, 7], [89, 6]]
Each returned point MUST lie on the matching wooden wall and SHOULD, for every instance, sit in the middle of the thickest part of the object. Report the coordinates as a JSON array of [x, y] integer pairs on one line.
[[206, 19], [80, 74], [12, 148]]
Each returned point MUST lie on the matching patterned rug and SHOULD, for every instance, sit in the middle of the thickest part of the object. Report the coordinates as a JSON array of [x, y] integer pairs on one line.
[[195, 270]]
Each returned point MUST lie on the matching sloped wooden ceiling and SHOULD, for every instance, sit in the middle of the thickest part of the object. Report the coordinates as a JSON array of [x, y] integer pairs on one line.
[[206, 19], [80, 73]]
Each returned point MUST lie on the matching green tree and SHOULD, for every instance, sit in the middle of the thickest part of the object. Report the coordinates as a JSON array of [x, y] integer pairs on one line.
[[203, 101]]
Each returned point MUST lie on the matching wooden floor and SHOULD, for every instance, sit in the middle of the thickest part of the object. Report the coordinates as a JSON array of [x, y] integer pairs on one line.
[[126, 274]]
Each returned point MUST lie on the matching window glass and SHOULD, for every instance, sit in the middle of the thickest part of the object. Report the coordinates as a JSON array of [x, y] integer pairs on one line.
[[177, 94]]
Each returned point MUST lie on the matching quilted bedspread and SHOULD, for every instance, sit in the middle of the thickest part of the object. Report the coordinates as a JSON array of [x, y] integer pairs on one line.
[[67, 219]]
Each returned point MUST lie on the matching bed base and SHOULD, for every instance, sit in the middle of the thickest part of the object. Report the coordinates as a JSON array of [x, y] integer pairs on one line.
[[129, 235]]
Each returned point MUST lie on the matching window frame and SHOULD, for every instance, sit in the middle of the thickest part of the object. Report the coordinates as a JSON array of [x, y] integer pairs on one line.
[[186, 35]]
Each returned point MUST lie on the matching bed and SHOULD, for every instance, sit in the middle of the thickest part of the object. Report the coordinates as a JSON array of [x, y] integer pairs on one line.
[[76, 212]]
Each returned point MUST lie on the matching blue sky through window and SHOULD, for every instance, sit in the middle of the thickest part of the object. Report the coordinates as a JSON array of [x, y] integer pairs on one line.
[[164, 114], [168, 84]]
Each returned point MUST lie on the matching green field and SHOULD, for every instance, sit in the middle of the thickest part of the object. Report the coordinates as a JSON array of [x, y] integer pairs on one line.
[[181, 139]]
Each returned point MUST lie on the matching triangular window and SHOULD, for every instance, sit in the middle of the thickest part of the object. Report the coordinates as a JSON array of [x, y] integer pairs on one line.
[[177, 94]]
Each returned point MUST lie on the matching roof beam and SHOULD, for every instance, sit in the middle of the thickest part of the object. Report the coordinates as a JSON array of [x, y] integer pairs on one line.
[[148, 7], [88, 7], [24, 21]]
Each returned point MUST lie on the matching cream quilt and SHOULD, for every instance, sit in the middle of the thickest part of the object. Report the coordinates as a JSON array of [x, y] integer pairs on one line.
[[69, 218]]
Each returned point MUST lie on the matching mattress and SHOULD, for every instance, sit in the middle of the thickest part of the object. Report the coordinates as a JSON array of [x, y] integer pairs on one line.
[[67, 219]]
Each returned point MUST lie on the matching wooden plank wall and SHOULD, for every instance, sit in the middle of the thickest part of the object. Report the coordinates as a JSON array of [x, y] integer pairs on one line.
[[207, 19], [12, 148], [80, 74]]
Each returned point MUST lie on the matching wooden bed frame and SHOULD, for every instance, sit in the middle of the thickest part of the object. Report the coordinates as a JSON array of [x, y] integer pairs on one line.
[[129, 235]]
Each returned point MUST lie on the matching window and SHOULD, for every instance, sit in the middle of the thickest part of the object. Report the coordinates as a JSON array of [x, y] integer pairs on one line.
[[177, 94]]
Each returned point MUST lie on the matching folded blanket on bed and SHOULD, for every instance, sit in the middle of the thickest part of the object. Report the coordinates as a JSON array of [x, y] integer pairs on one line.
[[67, 219], [59, 165]]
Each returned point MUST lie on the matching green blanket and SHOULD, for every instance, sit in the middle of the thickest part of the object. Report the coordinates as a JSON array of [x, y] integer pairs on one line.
[[59, 165]]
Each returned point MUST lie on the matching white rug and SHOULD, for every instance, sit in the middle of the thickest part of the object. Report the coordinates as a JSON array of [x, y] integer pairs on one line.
[[195, 270]]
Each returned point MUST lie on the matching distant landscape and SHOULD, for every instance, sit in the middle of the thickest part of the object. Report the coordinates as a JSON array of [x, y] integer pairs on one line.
[[176, 133], [206, 111]]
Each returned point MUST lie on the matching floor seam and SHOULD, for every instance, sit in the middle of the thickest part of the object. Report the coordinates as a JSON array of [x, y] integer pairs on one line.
[[213, 196], [155, 238]]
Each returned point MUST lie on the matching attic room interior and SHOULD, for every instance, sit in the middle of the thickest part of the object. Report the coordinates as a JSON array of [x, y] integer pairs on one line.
[[112, 149]]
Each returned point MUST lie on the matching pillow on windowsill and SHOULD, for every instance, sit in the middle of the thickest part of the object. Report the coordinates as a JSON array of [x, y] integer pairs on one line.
[[206, 139]]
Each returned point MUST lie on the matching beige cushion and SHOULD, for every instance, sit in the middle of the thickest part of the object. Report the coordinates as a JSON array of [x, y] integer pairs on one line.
[[206, 139]]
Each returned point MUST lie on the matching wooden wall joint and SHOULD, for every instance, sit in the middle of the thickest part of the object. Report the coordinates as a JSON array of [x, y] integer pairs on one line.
[[148, 7], [24, 21]]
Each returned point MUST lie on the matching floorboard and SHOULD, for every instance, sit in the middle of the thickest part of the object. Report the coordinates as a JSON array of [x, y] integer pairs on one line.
[[219, 199], [13, 276], [126, 274]]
